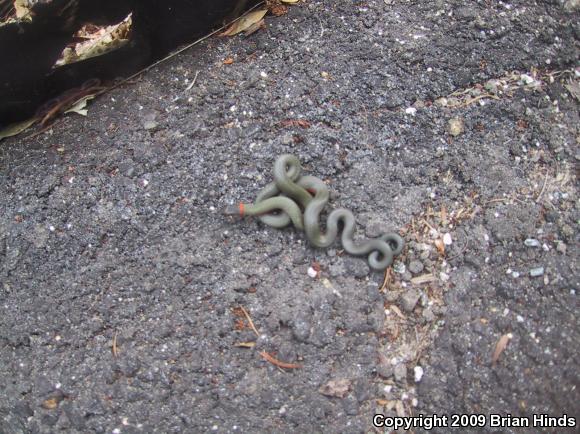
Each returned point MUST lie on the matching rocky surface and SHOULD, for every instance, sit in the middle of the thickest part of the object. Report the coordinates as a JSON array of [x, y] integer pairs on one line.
[[122, 285]]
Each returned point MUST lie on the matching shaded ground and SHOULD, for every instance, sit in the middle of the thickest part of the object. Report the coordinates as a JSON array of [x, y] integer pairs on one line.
[[112, 239]]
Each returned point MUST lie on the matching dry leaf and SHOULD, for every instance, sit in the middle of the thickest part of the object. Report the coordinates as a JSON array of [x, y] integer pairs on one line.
[[278, 10], [245, 23], [397, 311], [440, 246], [51, 403], [17, 128], [99, 42], [79, 107], [22, 8], [500, 347], [336, 388]]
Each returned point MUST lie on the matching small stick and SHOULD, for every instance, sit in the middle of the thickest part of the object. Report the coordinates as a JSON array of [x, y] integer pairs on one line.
[[193, 81], [386, 280], [543, 187], [253, 327], [274, 361], [114, 348]]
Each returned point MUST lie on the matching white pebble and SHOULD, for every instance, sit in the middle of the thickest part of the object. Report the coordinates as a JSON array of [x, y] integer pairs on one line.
[[532, 242], [312, 272], [411, 111], [447, 239], [418, 373]]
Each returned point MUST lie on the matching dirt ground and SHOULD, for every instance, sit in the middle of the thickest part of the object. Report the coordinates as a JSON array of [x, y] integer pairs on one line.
[[126, 295]]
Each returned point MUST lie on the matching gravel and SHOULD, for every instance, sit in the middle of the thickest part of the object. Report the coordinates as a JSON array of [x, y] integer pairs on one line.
[[121, 283]]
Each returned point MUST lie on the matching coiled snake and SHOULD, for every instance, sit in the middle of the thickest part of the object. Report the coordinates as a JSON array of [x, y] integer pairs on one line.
[[311, 194]]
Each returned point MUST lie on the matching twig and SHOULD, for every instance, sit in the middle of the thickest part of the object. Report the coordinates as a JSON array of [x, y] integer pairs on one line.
[[114, 347], [543, 187], [193, 81], [386, 280], [321, 27], [253, 327], [274, 361], [426, 223]]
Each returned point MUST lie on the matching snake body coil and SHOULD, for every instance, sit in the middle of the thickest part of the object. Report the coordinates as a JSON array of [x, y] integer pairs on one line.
[[290, 192]]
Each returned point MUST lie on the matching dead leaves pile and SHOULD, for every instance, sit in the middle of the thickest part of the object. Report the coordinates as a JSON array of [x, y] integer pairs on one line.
[[96, 41], [254, 20]]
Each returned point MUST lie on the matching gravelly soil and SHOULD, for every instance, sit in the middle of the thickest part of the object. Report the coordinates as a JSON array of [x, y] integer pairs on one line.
[[112, 240]]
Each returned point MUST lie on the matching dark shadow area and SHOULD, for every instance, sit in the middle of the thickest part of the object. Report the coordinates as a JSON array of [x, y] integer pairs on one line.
[[30, 49]]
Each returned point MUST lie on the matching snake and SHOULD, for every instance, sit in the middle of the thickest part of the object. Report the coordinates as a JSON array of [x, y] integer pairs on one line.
[[281, 202]]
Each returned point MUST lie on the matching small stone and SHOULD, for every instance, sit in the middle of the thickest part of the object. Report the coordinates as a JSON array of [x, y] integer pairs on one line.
[[401, 373], [567, 231], [455, 126], [150, 125], [301, 328], [416, 267], [532, 242], [561, 247], [537, 272], [338, 388], [418, 373], [410, 299], [571, 5], [312, 272], [428, 315], [385, 370], [447, 240], [399, 267]]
